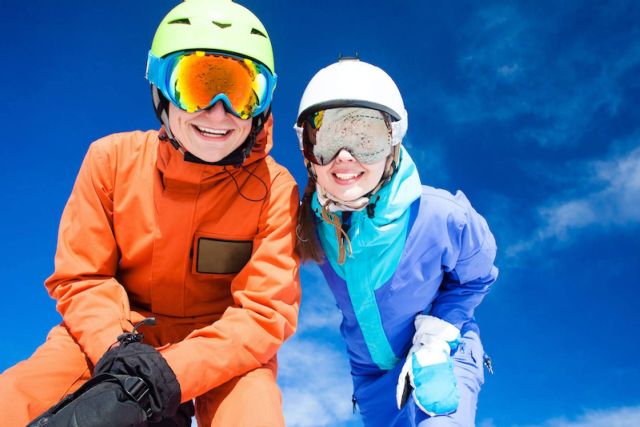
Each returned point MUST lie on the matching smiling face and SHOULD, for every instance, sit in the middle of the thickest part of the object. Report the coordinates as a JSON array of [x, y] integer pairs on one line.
[[212, 134], [348, 179]]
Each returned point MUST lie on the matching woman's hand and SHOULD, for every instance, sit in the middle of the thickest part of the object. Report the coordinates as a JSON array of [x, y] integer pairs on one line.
[[428, 368]]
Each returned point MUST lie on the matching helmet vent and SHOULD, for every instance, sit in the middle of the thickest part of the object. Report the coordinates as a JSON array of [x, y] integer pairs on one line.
[[221, 24], [184, 21], [258, 32]]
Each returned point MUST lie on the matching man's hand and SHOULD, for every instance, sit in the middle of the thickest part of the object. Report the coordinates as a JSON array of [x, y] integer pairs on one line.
[[143, 361], [428, 368]]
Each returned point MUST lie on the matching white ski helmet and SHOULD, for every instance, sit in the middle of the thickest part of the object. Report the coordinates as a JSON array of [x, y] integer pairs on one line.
[[354, 83]]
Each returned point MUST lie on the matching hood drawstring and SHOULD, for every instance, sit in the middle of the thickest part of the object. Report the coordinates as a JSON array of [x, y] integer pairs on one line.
[[341, 235], [163, 136], [240, 186]]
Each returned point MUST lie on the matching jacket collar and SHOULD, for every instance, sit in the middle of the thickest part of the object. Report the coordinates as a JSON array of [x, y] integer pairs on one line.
[[181, 175]]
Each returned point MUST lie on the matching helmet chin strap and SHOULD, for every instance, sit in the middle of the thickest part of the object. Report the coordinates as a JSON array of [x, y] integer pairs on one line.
[[235, 158], [330, 204]]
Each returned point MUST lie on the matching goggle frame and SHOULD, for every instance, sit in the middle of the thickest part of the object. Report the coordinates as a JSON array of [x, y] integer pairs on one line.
[[160, 70]]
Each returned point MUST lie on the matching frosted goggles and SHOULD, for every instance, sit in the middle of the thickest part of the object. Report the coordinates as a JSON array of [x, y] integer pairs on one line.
[[363, 132], [196, 80]]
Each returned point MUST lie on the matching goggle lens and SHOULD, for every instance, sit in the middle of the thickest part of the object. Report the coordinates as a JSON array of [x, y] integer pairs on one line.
[[363, 132]]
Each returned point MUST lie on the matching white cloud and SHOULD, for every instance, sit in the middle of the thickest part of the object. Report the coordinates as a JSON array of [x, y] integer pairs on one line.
[[512, 67], [620, 417], [316, 384], [318, 309], [429, 157], [313, 366], [320, 317], [611, 197], [508, 70]]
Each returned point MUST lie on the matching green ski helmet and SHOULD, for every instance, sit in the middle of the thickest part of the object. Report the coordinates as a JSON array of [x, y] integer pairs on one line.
[[219, 25], [213, 25]]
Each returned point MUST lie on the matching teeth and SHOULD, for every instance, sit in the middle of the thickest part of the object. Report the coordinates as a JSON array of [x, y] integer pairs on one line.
[[347, 176], [210, 131]]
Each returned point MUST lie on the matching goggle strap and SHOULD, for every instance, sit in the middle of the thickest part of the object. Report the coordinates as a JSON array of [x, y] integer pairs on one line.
[[155, 68], [161, 108], [389, 169], [310, 171]]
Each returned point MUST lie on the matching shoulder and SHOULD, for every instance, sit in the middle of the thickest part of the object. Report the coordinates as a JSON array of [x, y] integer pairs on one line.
[[114, 156], [278, 174], [463, 232], [125, 142], [441, 204], [125, 148]]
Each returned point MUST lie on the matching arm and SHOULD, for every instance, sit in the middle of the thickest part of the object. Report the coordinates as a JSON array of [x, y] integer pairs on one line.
[[469, 269], [93, 305], [468, 255], [266, 294]]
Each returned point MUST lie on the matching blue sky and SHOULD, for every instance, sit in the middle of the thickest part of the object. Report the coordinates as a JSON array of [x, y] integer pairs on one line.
[[531, 108]]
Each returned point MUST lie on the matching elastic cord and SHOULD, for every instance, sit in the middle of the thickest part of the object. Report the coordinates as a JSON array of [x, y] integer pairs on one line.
[[239, 187]]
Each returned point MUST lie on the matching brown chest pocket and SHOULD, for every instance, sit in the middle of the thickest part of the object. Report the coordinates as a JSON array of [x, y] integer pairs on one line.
[[217, 256]]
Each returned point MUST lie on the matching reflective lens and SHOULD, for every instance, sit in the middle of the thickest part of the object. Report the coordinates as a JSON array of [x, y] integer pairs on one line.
[[196, 80], [363, 132]]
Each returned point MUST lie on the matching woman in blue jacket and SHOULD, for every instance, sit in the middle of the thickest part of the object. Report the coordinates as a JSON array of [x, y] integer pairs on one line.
[[408, 264]]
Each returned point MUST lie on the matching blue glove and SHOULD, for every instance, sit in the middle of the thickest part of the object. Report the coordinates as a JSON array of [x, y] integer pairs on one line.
[[428, 368]]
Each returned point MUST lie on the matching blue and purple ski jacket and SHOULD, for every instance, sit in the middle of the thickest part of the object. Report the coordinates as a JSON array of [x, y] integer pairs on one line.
[[425, 251]]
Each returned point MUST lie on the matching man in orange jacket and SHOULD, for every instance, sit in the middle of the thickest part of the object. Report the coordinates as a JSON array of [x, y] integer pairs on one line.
[[192, 225]]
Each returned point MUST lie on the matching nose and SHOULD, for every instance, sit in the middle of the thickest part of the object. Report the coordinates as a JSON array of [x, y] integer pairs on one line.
[[345, 156], [216, 111]]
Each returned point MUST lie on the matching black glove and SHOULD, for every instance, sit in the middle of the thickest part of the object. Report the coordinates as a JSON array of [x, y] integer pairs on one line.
[[104, 401], [143, 361], [181, 419]]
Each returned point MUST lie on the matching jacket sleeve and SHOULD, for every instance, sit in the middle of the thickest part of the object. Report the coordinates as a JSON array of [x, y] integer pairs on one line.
[[93, 305], [266, 294], [468, 265]]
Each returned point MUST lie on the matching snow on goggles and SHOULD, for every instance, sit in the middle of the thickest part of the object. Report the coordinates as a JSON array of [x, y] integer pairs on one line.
[[365, 133], [196, 80]]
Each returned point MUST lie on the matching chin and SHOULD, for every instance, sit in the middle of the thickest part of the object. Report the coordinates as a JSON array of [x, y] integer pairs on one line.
[[209, 158], [212, 156], [350, 197]]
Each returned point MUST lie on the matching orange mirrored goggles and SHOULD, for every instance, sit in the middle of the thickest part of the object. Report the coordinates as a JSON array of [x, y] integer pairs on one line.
[[196, 80]]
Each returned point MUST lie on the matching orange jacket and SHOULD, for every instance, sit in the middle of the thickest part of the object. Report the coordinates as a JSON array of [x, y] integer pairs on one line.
[[208, 250]]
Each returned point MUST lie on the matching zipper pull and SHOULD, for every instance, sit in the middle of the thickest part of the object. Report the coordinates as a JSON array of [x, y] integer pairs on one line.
[[488, 363], [134, 335]]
